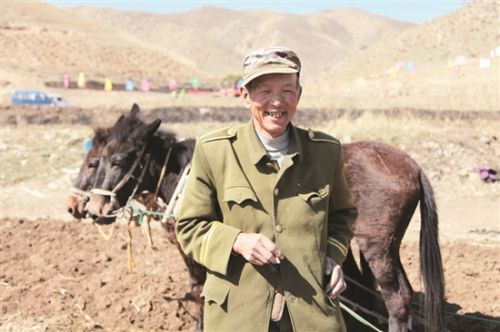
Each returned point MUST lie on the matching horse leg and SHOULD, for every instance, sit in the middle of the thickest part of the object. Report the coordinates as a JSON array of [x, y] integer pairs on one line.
[[395, 288], [354, 292]]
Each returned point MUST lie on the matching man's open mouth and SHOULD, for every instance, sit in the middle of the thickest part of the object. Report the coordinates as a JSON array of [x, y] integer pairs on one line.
[[276, 115]]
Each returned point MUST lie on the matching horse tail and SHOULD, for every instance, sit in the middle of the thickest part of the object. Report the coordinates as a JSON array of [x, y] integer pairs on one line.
[[431, 267]]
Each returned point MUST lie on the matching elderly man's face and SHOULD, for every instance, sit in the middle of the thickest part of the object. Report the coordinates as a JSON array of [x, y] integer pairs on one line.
[[273, 100]]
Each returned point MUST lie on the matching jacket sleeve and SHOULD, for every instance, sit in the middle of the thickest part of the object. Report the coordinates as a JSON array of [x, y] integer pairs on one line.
[[342, 213], [200, 230]]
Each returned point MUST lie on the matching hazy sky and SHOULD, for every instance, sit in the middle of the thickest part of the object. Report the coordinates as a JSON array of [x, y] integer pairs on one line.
[[411, 11]]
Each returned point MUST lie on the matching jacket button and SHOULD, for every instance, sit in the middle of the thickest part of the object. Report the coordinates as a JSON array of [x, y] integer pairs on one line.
[[231, 131], [276, 192], [279, 228]]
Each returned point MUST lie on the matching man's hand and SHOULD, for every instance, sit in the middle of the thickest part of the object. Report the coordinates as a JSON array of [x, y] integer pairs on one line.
[[257, 249], [337, 284]]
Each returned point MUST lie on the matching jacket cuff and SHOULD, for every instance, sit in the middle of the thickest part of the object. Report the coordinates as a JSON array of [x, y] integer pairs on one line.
[[337, 251], [217, 246]]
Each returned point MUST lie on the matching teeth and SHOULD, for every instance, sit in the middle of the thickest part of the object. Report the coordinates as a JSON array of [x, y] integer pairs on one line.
[[275, 115]]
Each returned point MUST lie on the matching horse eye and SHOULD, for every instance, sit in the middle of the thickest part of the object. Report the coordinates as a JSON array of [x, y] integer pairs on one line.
[[93, 163], [117, 160]]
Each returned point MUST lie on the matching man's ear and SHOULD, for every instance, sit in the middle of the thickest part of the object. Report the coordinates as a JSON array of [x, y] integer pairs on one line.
[[245, 96], [300, 93]]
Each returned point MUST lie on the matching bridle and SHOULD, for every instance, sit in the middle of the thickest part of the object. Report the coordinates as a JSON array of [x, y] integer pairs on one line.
[[123, 181], [112, 193]]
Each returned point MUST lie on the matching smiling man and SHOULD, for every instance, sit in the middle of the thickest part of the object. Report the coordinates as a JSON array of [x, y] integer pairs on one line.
[[268, 212]]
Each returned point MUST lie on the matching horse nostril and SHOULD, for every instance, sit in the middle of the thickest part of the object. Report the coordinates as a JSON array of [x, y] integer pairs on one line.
[[71, 211]]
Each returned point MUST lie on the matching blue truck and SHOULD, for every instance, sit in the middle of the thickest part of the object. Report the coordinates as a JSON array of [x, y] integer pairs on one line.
[[36, 98]]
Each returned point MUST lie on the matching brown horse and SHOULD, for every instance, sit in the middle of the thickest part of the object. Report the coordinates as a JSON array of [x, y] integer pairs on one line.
[[386, 185]]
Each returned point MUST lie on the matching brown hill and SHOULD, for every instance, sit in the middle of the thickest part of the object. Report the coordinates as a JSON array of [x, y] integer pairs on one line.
[[216, 39], [42, 41], [371, 76]]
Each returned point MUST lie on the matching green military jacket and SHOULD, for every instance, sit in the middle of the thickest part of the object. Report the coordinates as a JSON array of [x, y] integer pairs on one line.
[[304, 207]]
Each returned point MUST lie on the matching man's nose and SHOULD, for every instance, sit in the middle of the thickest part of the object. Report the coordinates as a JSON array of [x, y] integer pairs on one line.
[[276, 99]]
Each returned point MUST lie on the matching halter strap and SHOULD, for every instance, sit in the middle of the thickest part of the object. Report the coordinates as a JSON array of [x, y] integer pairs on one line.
[[130, 171], [79, 193]]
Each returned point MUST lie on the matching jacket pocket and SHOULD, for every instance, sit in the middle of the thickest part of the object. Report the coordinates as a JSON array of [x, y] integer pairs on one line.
[[239, 195], [215, 291], [315, 198]]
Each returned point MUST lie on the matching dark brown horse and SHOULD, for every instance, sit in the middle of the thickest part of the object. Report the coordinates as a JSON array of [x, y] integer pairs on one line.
[[80, 192], [386, 185], [78, 198]]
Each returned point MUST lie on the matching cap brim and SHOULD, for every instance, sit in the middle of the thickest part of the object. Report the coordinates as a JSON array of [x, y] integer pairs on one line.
[[268, 71]]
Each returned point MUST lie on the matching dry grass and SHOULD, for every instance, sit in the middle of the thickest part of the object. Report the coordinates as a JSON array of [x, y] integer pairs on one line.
[[449, 150]]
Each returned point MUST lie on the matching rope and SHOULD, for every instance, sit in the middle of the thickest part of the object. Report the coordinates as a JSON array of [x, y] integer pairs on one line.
[[358, 317], [354, 282], [163, 172], [141, 213], [493, 321], [449, 313], [130, 254], [356, 306], [179, 189], [104, 235], [79, 193], [130, 171], [139, 180], [102, 192]]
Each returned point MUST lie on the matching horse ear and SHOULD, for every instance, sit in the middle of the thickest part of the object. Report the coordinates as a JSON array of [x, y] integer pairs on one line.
[[101, 135], [145, 132], [119, 121], [135, 110], [153, 127]]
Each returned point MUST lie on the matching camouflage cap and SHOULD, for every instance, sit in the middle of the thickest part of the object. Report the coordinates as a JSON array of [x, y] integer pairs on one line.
[[272, 60]]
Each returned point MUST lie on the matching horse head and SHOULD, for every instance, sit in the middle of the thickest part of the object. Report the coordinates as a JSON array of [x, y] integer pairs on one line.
[[80, 192], [123, 163], [86, 176]]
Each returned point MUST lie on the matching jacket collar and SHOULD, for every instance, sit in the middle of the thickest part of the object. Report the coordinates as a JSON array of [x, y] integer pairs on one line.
[[257, 151]]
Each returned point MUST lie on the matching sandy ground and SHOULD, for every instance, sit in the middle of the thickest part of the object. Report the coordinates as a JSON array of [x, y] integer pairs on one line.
[[60, 275]]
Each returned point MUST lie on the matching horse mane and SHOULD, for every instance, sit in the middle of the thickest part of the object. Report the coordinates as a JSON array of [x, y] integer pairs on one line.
[[164, 138]]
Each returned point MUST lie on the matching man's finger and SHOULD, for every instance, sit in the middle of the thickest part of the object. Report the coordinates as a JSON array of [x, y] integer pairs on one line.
[[278, 254], [257, 258], [267, 243], [334, 278], [268, 256], [337, 290], [270, 246]]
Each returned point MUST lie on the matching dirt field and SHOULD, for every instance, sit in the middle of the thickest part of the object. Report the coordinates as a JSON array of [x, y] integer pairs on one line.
[[59, 275]]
